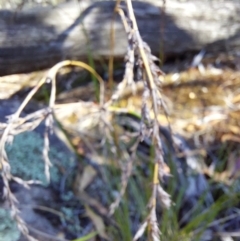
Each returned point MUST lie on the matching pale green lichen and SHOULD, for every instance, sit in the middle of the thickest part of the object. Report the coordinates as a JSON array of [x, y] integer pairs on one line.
[[26, 158], [8, 227]]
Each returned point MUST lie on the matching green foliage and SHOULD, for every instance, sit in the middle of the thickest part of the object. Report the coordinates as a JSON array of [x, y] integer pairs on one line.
[[87, 237], [26, 158], [122, 217], [199, 216], [8, 227]]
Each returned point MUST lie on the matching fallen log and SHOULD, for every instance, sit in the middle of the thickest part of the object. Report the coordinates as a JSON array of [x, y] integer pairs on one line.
[[38, 38]]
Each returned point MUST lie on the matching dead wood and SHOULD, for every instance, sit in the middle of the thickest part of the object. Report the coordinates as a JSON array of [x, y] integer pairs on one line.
[[38, 38]]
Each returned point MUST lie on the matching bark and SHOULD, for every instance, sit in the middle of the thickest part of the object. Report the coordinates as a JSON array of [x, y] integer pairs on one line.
[[38, 38]]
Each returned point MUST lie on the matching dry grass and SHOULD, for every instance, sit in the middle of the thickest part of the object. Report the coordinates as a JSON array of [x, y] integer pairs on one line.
[[94, 120]]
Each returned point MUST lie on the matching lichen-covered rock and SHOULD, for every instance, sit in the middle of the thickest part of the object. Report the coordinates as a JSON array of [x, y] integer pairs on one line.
[[8, 227], [26, 158]]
